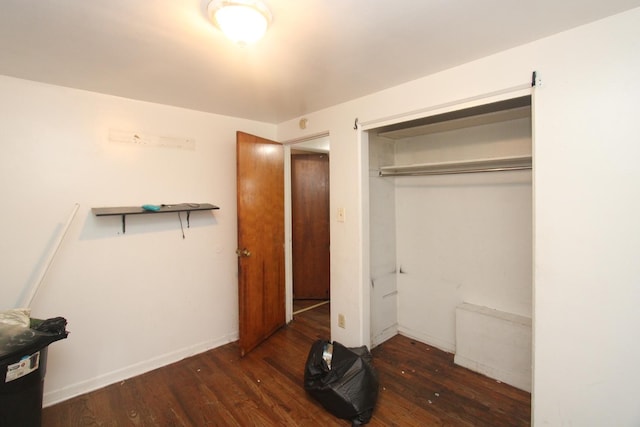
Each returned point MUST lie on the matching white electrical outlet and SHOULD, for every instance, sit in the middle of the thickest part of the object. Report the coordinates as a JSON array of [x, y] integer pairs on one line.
[[341, 322]]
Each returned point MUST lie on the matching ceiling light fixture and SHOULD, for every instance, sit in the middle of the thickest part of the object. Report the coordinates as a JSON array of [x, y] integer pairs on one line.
[[243, 21]]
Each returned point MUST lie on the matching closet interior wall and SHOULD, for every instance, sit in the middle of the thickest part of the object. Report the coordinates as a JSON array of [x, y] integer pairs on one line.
[[438, 241]]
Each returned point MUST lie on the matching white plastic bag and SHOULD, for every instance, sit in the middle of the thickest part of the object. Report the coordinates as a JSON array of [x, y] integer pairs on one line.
[[16, 316]]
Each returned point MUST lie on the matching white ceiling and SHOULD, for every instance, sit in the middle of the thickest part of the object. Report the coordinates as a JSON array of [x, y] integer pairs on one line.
[[317, 53]]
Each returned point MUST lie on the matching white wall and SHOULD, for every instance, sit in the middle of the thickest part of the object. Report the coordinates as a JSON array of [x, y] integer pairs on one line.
[[587, 233], [461, 238], [586, 206], [134, 301]]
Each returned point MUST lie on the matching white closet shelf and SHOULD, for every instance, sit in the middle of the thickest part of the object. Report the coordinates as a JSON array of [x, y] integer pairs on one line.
[[450, 124], [495, 164]]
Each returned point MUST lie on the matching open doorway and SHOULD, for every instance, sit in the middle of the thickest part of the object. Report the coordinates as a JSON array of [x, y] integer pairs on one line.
[[310, 225]]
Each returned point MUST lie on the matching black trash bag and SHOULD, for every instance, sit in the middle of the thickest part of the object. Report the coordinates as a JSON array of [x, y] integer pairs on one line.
[[54, 325], [343, 380], [17, 340]]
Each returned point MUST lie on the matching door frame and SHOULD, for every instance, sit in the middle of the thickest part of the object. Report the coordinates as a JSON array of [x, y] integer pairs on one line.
[[318, 138]]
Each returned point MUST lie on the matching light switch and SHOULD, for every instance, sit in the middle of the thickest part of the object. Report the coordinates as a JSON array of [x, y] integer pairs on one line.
[[340, 214]]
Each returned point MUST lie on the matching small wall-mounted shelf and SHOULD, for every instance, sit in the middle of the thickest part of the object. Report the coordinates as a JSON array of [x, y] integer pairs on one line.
[[464, 166], [123, 211]]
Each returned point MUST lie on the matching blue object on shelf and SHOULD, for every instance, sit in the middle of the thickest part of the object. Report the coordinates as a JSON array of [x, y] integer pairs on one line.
[[154, 208]]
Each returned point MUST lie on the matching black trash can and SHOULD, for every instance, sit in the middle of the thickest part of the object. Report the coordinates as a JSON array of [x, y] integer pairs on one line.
[[23, 365]]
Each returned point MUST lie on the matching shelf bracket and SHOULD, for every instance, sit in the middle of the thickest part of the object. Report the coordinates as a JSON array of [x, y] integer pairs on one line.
[[124, 223]]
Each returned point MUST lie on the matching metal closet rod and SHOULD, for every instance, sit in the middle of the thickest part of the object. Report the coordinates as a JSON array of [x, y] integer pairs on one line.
[[452, 171]]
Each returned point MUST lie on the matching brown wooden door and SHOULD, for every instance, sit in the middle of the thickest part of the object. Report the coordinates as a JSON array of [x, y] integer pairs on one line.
[[260, 177], [310, 230]]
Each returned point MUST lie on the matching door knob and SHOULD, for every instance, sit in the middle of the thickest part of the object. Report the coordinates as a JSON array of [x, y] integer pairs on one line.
[[243, 252]]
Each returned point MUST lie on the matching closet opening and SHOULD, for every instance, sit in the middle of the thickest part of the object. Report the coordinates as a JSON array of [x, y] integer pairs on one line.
[[450, 235]]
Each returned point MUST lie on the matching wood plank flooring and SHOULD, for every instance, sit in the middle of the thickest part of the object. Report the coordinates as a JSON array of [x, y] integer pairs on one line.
[[419, 386]]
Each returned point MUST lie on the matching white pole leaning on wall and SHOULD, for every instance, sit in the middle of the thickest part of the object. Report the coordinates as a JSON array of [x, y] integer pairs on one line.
[[43, 273]]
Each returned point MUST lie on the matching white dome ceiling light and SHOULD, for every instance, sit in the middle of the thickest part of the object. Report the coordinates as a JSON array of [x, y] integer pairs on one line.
[[243, 21]]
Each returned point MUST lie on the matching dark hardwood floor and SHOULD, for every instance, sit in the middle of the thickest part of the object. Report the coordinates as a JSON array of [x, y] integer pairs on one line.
[[419, 386]]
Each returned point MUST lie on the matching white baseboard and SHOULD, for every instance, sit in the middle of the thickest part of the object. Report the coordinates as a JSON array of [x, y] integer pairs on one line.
[[82, 387], [383, 336], [449, 347]]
